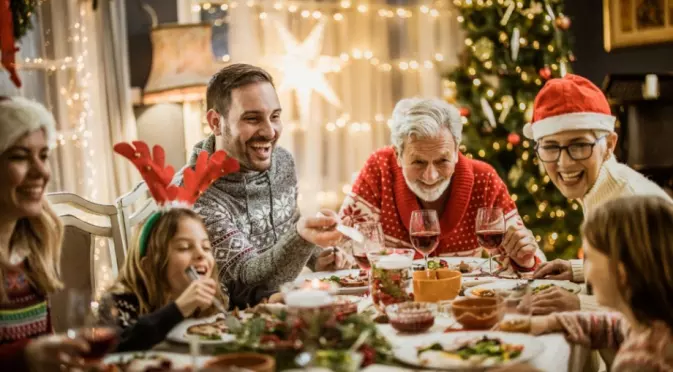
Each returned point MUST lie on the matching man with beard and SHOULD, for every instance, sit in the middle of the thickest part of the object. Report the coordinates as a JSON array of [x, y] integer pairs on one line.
[[424, 170], [259, 239]]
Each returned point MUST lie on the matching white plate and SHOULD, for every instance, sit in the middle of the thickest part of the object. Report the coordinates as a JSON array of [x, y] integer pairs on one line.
[[341, 273], [477, 264], [144, 360], [179, 332], [505, 284], [407, 352]]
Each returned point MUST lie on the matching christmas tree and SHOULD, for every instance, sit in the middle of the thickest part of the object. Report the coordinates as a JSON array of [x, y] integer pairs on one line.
[[512, 48]]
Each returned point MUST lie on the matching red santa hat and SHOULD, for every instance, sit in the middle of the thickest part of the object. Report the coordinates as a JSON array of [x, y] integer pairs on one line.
[[569, 103]]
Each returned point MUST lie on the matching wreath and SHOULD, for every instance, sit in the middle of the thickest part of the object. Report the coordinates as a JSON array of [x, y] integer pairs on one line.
[[14, 23], [22, 11]]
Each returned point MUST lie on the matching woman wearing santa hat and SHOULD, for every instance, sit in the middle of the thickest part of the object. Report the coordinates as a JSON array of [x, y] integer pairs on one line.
[[575, 139]]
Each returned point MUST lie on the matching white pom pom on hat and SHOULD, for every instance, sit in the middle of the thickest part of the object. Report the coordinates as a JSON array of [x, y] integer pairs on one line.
[[569, 103], [20, 116]]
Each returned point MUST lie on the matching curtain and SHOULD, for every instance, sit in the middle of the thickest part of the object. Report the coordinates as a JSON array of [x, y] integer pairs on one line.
[[386, 53]]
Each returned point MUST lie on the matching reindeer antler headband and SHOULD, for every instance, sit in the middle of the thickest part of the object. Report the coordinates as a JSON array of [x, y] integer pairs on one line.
[[158, 177]]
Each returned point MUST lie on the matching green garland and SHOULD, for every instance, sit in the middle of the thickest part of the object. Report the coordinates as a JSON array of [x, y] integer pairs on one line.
[[22, 11]]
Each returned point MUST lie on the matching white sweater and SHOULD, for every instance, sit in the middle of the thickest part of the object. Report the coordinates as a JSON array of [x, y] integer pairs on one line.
[[614, 180]]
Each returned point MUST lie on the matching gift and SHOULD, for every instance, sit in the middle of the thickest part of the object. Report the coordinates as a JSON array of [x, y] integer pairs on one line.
[[439, 285]]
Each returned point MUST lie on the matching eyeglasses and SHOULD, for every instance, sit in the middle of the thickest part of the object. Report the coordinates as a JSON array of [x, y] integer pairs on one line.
[[576, 151]]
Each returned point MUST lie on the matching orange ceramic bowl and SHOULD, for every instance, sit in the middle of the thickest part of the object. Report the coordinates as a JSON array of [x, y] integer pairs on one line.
[[252, 361], [477, 313], [442, 285]]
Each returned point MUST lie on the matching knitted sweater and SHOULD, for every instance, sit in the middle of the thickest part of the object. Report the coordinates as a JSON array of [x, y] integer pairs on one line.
[[251, 221], [381, 194], [642, 350], [614, 180], [24, 317], [142, 332]]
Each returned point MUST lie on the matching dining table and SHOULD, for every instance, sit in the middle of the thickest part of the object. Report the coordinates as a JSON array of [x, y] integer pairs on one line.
[[557, 355]]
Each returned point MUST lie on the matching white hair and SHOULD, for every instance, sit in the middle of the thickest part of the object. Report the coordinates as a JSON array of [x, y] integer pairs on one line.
[[424, 118]]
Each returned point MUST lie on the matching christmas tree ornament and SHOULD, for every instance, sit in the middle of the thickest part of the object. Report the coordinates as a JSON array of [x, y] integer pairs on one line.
[[549, 9], [449, 91], [488, 111], [563, 68], [515, 173], [514, 139], [483, 49], [508, 14], [516, 36], [528, 115], [563, 22], [534, 9], [507, 103], [464, 111], [545, 72]]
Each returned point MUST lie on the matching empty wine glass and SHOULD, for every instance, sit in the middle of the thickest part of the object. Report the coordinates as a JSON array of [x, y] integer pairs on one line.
[[424, 231], [94, 321], [490, 227], [374, 240]]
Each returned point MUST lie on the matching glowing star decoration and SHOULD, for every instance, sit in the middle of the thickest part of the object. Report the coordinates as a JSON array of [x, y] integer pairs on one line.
[[304, 68]]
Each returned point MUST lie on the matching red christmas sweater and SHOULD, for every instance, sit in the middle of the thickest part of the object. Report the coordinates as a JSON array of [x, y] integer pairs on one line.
[[381, 194]]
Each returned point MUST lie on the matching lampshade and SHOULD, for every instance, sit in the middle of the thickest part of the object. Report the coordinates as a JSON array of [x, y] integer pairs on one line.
[[182, 63]]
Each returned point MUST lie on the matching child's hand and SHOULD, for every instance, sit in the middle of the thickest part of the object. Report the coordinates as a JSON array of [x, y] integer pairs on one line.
[[544, 324], [199, 295]]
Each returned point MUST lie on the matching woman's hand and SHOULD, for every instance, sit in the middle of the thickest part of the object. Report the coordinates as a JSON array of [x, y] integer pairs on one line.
[[198, 295], [50, 353]]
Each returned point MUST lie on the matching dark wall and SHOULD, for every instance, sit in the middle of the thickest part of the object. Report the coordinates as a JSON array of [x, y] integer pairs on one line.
[[594, 62], [139, 25]]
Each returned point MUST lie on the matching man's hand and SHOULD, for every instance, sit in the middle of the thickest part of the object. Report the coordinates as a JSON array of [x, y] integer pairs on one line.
[[520, 245], [332, 259], [320, 230], [554, 299], [556, 270]]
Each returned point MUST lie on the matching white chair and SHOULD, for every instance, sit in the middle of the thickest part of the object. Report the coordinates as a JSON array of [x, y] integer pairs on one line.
[[131, 218], [84, 221]]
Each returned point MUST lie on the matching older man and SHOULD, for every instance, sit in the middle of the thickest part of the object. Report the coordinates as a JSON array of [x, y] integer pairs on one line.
[[425, 170], [258, 238]]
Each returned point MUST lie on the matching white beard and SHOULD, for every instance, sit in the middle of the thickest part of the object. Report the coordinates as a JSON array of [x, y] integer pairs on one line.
[[428, 195]]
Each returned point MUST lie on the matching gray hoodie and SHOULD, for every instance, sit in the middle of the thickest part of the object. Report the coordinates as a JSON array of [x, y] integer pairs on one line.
[[251, 221]]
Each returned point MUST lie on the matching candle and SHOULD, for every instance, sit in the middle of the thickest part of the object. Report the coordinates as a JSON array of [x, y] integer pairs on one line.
[[308, 298], [394, 262]]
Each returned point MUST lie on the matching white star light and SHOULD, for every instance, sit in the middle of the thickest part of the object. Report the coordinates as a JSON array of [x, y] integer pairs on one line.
[[304, 68]]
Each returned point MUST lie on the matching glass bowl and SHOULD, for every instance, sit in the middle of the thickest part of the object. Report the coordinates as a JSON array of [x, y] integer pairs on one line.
[[412, 317]]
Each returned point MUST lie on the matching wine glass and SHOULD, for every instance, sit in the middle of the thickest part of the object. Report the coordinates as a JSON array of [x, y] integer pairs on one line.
[[374, 240], [424, 231], [94, 321], [490, 228]]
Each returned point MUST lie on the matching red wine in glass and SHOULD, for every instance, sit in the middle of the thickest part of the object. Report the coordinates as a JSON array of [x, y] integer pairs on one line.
[[425, 241], [362, 261], [490, 239], [102, 340]]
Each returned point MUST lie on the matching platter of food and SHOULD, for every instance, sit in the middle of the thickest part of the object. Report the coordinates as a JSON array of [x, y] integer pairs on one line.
[[348, 282], [504, 287], [469, 350], [154, 361], [468, 266], [212, 330]]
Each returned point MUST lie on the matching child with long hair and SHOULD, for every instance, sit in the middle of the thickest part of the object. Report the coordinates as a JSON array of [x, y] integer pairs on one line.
[[30, 243], [628, 245], [153, 292]]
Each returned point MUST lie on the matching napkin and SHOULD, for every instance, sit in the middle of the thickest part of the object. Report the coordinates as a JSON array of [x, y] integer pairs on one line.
[[443, 284]]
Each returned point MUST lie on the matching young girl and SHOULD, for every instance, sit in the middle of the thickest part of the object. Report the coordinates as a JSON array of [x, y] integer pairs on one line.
[[30, 242], [153, 292], [628, 245]]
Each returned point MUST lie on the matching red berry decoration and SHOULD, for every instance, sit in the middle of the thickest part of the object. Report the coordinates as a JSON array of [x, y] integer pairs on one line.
[[545, 73], [464, 111], [563, 22], [514, 139]]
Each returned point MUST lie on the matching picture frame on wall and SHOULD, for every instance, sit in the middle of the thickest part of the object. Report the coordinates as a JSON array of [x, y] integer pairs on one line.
[[637, 22]]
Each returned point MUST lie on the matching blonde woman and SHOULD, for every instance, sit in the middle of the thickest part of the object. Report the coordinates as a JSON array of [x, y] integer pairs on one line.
[[30, 242]]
